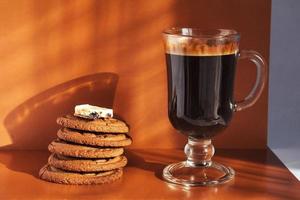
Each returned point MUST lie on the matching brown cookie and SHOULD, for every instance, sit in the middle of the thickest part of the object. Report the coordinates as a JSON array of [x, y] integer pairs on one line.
[[86, 165], [52, 174], [105, 125], [80, 151], [89, 138]]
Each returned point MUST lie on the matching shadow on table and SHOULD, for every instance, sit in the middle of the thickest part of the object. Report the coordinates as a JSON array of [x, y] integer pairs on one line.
[[137, 159], [257, 171], [28, 162], [26, 123]]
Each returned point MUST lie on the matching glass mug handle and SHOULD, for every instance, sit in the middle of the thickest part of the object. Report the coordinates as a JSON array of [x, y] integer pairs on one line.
[[261, 76]]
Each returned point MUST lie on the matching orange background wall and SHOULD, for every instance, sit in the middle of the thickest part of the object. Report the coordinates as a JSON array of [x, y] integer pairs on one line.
[[55, 54]]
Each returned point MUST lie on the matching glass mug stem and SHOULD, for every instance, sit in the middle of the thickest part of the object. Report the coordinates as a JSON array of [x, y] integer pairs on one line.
[[261, 71], [198, 169], [199, 152]]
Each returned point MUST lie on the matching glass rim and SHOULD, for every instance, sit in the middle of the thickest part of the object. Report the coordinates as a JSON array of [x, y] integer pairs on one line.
[[202, 33]]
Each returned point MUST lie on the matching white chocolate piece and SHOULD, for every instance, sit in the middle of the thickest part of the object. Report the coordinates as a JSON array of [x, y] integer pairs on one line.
[[92, 112]]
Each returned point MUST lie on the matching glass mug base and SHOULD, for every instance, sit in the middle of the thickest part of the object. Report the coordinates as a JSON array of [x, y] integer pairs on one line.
[[184, 174], [198, 169]]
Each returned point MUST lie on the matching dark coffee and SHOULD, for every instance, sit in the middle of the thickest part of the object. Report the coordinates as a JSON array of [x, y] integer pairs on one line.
[[200, 92]]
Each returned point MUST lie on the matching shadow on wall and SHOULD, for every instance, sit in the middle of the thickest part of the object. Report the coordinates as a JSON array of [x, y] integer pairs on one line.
[[40, 111], [123, 37]]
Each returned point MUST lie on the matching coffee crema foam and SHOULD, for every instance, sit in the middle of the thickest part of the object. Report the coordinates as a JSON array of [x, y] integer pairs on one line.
[[197, 47]]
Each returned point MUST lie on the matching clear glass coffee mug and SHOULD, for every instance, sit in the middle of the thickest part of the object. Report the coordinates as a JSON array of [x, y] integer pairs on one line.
[[201, 70]]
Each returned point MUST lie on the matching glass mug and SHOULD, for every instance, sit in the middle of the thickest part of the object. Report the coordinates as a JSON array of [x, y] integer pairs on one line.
[[201, 69]]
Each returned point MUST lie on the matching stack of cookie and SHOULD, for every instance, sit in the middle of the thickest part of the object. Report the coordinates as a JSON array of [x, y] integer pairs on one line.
[[87, 151]]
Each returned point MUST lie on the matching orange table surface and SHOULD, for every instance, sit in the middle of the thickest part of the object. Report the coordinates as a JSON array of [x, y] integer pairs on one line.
[[259, 175]]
